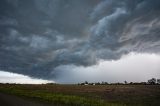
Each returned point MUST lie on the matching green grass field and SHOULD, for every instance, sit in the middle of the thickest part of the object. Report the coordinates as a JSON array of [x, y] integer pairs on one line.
[[78, 95]]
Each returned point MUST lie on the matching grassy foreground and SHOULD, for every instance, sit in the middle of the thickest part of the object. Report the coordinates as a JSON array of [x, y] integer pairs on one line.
[[99, 95]]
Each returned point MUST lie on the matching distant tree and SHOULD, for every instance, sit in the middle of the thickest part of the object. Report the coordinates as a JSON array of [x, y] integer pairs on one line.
[[103, 83], [82, 83], [97, 83], [90, 84], [152, 81], [158, 81], [143, 83], [50, 83], [125, 82], [86, 83], [131, 83], [106, 83]]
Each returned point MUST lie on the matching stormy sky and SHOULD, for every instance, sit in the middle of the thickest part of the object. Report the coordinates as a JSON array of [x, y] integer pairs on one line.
[[75, 40]]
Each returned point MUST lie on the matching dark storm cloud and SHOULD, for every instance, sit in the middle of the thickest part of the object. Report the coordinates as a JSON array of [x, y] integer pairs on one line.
[[38, 35]]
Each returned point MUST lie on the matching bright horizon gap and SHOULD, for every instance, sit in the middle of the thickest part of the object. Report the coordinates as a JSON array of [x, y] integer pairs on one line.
[[133, 67], [9, 77]]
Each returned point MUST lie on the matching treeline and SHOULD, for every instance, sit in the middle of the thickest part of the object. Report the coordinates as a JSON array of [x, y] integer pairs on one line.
[[152, 81]]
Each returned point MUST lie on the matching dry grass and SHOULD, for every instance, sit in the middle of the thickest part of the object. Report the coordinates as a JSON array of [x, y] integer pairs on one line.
[[143, 95]]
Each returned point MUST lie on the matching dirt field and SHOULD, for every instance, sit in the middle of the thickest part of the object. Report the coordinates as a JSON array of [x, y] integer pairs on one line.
[[120, 95]]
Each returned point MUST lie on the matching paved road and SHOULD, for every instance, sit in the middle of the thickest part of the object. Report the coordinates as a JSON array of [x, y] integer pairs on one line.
[[10, 100]]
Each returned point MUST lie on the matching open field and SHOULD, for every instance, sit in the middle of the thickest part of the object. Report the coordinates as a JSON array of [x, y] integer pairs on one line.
[[89, 95], [13, 100]]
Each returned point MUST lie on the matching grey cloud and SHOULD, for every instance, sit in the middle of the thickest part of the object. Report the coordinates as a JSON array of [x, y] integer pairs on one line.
[[39, 35]]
